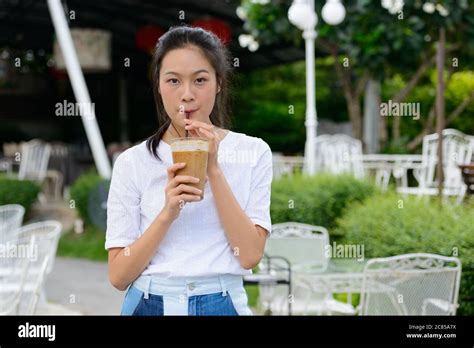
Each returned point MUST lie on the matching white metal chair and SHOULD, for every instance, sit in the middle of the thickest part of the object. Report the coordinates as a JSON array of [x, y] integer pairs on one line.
[[11, 218], [37, 287], [338, 154], [299, 244], [14, 268], [411, 284], [47, 234], [34, 160], [457, 150]]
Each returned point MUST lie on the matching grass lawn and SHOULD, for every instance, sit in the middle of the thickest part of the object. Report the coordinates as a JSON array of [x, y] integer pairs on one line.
[[88, 245]]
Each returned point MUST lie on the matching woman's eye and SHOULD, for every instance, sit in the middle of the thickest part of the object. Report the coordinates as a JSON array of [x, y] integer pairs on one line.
[[173, 81], [201, 80]]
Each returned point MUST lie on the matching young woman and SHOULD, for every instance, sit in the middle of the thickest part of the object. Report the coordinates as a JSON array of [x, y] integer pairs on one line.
[[176, 253]]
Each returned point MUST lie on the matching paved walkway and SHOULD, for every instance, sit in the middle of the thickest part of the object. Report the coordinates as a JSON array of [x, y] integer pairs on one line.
[[82, 286]]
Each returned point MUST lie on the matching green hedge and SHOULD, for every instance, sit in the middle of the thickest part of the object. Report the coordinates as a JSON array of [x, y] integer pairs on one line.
[[317, 200], [23, 192], [80, 191], [391, 225]]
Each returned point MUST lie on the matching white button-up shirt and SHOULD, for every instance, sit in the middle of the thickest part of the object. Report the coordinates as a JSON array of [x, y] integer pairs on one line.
[[195, 244]]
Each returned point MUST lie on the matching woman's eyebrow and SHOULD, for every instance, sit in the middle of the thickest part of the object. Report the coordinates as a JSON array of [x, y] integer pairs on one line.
[[195, 73]]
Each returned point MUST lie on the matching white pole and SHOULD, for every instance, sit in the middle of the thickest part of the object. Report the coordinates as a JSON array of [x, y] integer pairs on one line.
[[79, 87], [311, 121]]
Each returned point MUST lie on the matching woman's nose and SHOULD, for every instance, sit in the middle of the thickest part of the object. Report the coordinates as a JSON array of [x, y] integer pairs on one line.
[[188, 94]]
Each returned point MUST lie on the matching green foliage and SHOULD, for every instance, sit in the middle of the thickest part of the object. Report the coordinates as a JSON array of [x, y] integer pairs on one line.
[[269, 22], [80, 191], [317, 200], [88, 245], [458, 89], [388, 225], [13, 191], [270, 103], [375, 39]]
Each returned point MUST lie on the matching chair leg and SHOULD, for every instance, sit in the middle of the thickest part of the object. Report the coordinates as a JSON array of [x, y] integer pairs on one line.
[[42, 198]]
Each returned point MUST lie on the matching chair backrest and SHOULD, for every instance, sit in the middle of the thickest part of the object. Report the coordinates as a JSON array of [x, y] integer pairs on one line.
[[411, 284], [338, 154], [34, 160], [14, 269], [457, 149], [47, 235], [299, 243], [11, 218]]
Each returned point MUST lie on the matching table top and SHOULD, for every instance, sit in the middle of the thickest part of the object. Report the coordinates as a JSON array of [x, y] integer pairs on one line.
[[335, 266], [391, 158]]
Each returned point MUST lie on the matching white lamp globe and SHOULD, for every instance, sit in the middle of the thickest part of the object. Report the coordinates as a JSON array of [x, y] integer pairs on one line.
[[301, 15], [333, 12]]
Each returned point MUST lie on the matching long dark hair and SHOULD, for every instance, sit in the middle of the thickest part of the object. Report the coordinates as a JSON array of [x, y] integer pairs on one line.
[[218, 56]]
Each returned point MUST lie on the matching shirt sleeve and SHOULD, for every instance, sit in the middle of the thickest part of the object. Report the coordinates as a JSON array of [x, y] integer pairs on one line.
[[258, 206], [123, 205]]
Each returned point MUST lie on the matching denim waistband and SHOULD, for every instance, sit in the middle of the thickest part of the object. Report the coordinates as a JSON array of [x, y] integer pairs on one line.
[[192, 286]]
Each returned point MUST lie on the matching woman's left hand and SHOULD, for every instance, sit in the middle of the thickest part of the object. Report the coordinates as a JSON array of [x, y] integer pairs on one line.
[[209, 132]]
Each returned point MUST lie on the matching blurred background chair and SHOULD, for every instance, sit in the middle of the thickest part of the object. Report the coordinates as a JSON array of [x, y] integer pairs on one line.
[[457, 150], [411, 284], [46, 234], [34, 160], [11, 218], [338, 154], [14, 274]]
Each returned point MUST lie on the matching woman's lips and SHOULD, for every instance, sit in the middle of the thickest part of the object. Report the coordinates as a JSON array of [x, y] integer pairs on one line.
[[188, 113]]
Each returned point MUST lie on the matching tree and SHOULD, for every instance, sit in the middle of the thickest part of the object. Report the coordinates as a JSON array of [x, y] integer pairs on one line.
[[376, 40]]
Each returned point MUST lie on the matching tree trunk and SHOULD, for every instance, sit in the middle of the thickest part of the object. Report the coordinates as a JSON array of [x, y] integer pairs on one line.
[[372, 116], [440, 107], [352, 96], [396, 128], [355, 117]]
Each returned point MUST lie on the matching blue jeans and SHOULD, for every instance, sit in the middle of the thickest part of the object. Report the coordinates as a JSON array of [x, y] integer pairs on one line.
[[153, 296]]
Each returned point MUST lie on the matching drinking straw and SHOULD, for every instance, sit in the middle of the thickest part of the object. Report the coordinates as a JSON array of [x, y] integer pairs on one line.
[[186, 131]]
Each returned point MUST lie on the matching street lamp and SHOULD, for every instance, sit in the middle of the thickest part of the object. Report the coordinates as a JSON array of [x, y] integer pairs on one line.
[[302, 15]]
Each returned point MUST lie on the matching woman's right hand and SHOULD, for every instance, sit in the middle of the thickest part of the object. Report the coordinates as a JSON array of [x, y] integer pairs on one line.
[[178, 192]]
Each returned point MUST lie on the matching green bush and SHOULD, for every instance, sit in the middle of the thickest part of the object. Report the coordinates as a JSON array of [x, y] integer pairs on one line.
[[80, 191], [317, 200], [13, 191], [391, 225]]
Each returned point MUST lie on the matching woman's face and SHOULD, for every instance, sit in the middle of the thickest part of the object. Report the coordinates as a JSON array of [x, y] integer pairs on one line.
[[187, 83]]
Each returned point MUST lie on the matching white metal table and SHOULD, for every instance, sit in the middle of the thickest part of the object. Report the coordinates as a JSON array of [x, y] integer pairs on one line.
[[343, 276], [386, 166]]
